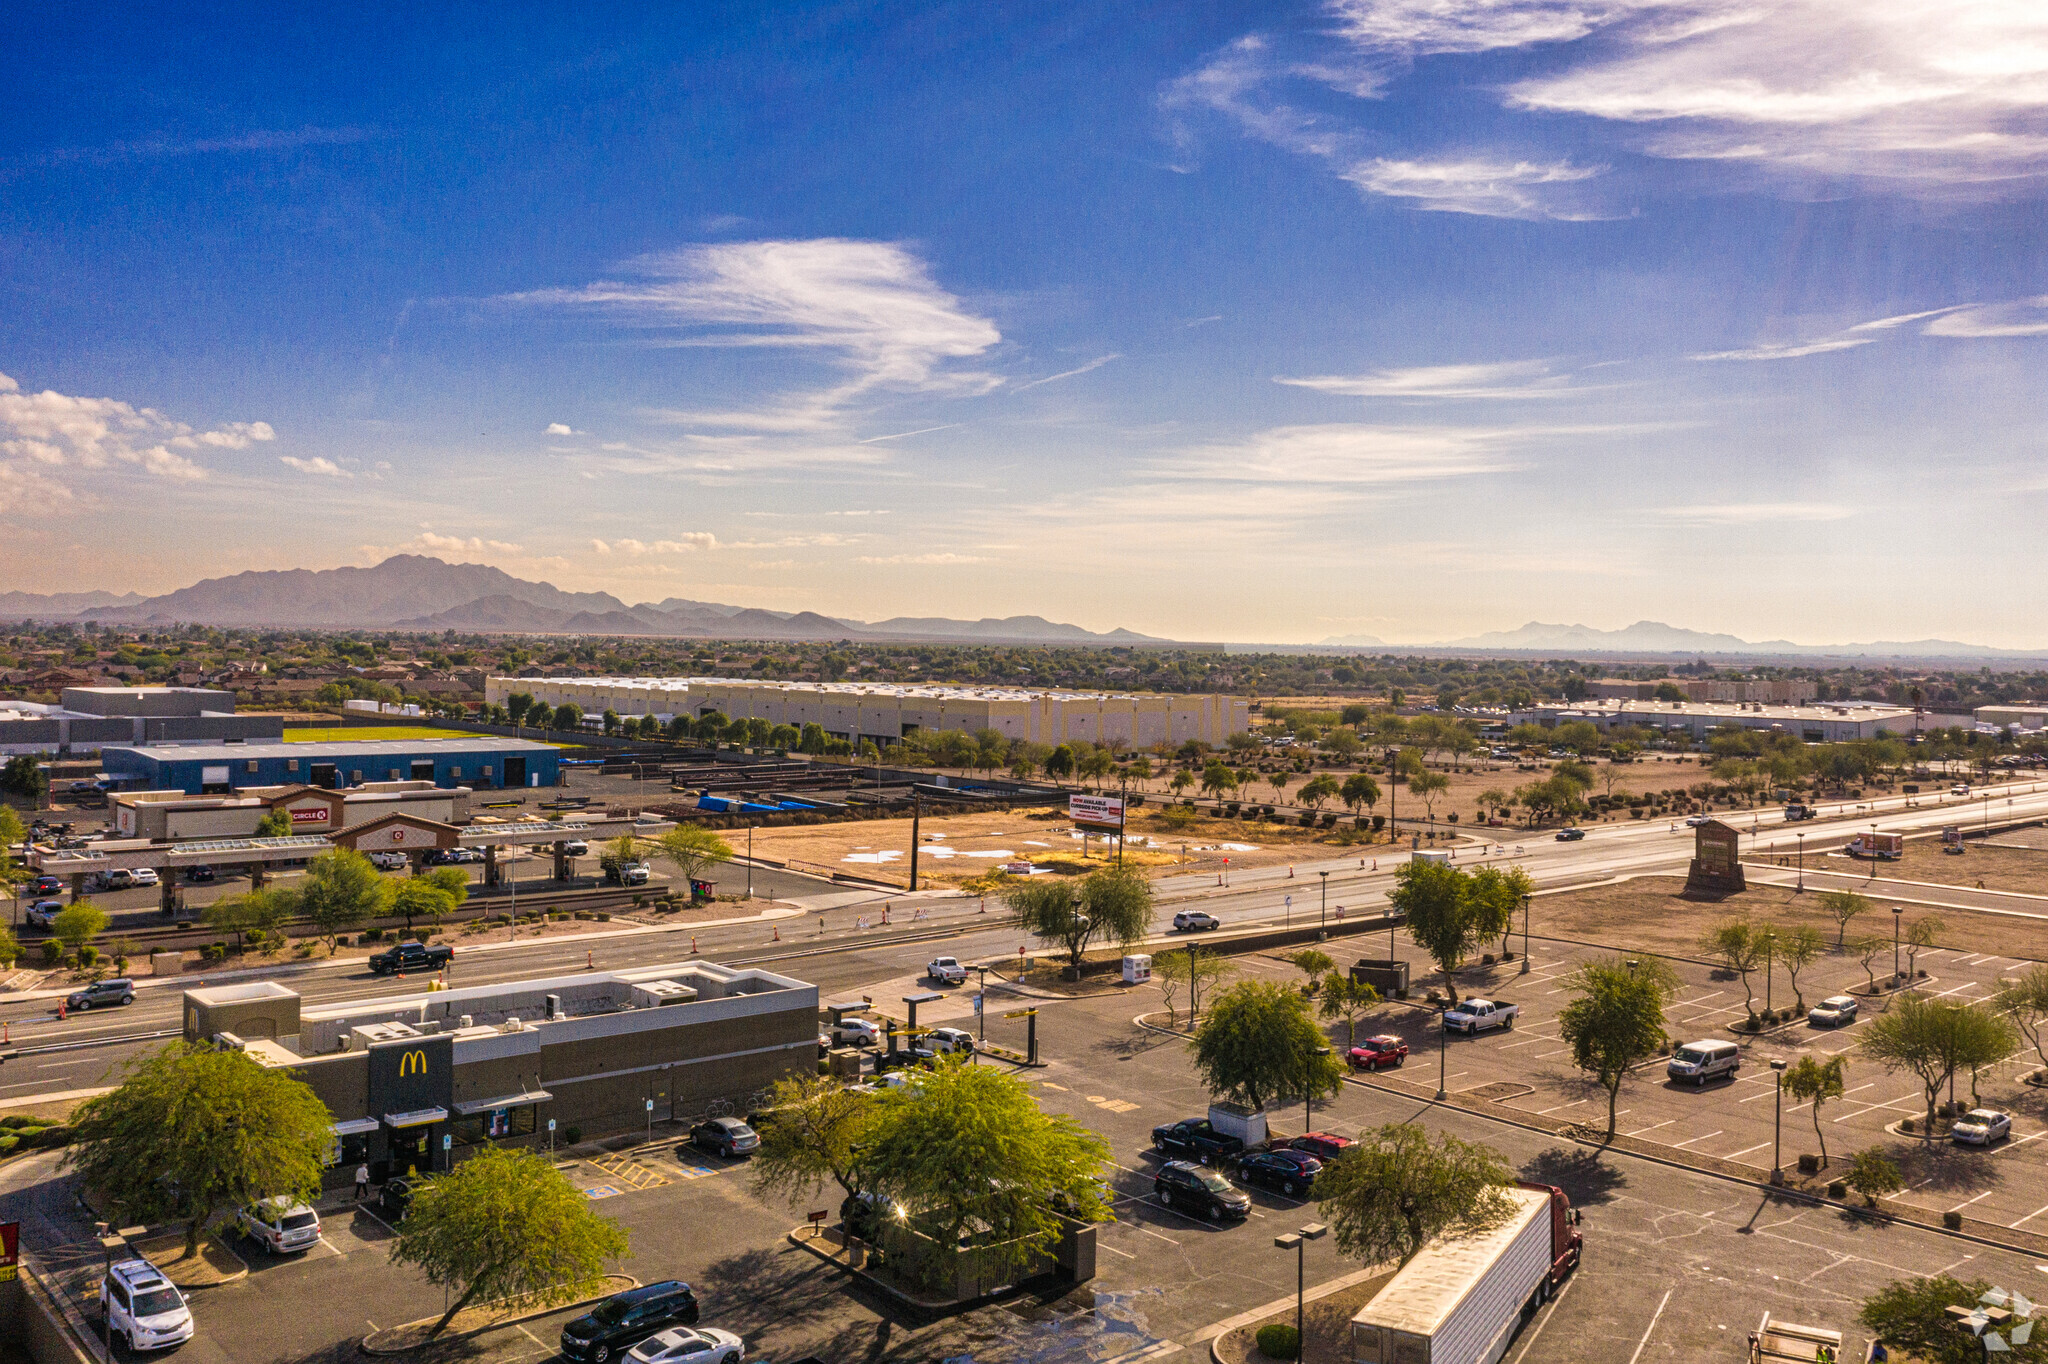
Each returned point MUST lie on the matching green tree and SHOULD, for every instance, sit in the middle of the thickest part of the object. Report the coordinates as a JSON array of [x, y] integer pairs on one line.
[[692, 849], [78, 924], [968, 1146], [1393, 1191], [1865, 950], [1359, 790], [1798, 947], [568, 717], [1934, 1038], [1190, 968], [506, 1224], [1217, 779], [23, 775], [191, 1130], [2025, 1001], [610, 719], [1279, 782], [1912, 1317], [1318, 791], [1430, 786], [255, 911], [1257, 1042], [1873, 1174], [1347, 1000], [815, 1130], [276, 824], [1810, 1082], [1615, 1019], [419, 898], [1842, 906], [1740, 945], [1113, 903], [1060, 762], [517, 706], [1925, 932], [1445, 917], [342, 892], [1499, 892], [1313, 963], [10, 947], [616, 854]]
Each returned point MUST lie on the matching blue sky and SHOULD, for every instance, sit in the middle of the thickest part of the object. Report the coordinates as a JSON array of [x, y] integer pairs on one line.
[[1402, 318]]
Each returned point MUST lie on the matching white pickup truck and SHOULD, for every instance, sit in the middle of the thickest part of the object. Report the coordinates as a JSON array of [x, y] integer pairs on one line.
[[946, 969], [1481, 1015]]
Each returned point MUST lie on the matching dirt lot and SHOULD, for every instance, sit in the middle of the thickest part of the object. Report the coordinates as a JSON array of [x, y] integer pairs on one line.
[[1650, 913]]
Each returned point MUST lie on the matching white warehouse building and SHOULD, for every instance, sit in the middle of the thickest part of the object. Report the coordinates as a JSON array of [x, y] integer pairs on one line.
[[1824, 722], [885, 712]]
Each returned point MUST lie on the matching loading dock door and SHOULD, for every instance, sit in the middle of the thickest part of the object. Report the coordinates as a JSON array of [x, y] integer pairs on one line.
[[423, 771], [324, 776], [515, 772]]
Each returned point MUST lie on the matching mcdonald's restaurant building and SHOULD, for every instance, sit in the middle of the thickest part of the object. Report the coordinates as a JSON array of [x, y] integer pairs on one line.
[[417, 1082]]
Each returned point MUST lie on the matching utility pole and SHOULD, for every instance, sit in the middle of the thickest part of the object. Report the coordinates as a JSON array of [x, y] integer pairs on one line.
[[750, 861], [916, 819]]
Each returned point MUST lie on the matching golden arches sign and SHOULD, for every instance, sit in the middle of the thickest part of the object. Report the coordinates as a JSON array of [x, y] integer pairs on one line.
[[415, 1059]]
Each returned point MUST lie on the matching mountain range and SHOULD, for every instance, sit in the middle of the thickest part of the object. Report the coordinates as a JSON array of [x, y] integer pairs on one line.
[[416, 592], [1655, 637]]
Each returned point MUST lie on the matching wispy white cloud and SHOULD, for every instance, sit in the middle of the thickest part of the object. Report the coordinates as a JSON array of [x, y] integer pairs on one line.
[[940, 558], [1753, 513], [921, 431], [260, 140], [454, 548], [320, 465], [1351, 455], [690, 543], [1510, 379], [2024, 317], [1478, 185], [1786, 350], [562, 429], [54, 430], [2019, 318], [1094, 364]]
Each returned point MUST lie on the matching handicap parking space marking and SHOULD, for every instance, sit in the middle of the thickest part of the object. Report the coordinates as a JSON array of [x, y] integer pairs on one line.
[[601, 1191]]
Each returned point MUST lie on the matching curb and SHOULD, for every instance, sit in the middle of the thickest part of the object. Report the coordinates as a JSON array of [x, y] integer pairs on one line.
[[801, 1238], [375, 1351]]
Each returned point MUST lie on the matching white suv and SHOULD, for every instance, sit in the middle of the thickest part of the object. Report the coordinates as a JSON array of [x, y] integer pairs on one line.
[[389, 861], [282, 1225], [144, 1308]]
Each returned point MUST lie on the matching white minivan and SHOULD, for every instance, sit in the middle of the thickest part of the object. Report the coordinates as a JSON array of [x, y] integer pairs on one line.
[[143, 1308], [1700, 1062], [282, 1225]]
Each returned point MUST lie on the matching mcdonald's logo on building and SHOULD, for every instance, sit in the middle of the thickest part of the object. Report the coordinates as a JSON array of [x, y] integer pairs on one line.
[[414, 1062]]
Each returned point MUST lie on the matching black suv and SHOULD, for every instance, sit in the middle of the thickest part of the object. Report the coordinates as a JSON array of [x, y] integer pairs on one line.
[[1199, 1193], [1195, 1137], [625, 1319]]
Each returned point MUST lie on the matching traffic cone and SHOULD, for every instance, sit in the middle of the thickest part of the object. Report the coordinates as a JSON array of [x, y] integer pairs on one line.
[[778, 934], [1290, 873], [693, 946], [589, 961], [1375, 864]]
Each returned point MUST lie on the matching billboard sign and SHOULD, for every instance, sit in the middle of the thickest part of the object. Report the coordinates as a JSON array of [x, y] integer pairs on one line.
[[308, 814], [1097, 812]]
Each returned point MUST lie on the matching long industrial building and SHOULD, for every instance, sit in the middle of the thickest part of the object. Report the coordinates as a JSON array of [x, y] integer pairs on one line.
[[885, 712], [1810, 724], [484, 763]]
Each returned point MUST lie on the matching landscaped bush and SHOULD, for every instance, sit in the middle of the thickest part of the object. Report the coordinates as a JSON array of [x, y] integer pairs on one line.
[[1279, 1342], [88, 955], [572, 1134], [53, 952]]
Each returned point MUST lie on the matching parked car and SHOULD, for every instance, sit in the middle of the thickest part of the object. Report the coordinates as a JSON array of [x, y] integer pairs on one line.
[[1284, 1171], [724, 1136], [1321, 1145], [946, 970], [143, 876], [947, 1041], [629, 874], [410, 956], [1981, 1127], [389, 861], [1195, 1137], [1199, 1192], [707, 1345], [575, 847], [1194, 921], [856, 1032], [43, 913], [143, 1308], [625, 1319], [904, 1058], [1570, 835], [1475, 1016], [46, 885], [120, 878], [1836, 1011], [101, 994], [1700, 1062], [394, 1200], [282, 1226], [202, 874], [1379, 1052]]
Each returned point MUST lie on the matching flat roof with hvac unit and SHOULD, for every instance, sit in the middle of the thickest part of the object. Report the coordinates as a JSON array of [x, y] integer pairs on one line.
[[483, 763]]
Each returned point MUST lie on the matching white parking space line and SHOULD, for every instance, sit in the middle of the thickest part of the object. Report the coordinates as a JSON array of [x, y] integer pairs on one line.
[[2030, 1216], [1968, 1201], [1104, 1245], [1651, 1128], [2016, 1145], [1573, 1104], [1746, 1150], [1654, 1317], [1690, 1140]]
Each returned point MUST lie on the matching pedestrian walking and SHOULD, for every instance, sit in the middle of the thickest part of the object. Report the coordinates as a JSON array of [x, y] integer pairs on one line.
[[362, 1182]]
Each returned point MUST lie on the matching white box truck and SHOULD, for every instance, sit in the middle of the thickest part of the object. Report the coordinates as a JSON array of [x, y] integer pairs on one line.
[[1461, 1301]]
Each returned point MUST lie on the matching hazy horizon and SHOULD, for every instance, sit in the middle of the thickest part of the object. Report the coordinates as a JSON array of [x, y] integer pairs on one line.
[[1259, 323]]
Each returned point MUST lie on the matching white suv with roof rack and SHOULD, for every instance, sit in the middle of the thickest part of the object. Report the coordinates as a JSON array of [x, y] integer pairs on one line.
[[143, 1308]]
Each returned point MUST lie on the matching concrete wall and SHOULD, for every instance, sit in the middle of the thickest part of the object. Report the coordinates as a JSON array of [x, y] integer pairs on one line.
[[32, 1320]]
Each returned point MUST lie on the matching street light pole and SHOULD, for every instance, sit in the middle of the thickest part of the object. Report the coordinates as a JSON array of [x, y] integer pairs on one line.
[[1777, 1121], [1326, 897], [1525, 933], [1801, 836], [1308, 1098], [1297, 1241], [1898, 913], [1443, 1049]]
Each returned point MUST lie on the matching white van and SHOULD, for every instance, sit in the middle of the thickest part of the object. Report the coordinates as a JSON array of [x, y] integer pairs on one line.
[[1700, 1062], [143, 1308]]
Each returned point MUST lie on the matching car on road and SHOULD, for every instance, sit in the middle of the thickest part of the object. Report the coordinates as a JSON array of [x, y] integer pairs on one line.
[[946, 970], [143, 1308], [1981, 1127], [1962, 790], [727, 1137], [410, 956], [625, 1319], [202, 874], [856, 1032], [1199, 1192], [101, 994], [1836, 1011], [629, 874], [394, 1200], [1195, 1137], [46, 885], [43, 913], [707, 1345], [281, 1225], [1572, 835], [1700, 1062], [1321, 1145], [1195, 921], [143, 876], [1694, 821], [1288, 1172], [1378, 1052], [389, 861], [947, 1041]]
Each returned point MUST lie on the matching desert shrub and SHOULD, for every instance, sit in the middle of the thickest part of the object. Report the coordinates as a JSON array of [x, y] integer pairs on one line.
[[1278, 1342]]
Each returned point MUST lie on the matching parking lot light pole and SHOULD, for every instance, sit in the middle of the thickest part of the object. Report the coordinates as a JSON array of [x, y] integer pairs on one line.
[[1525, 933], [1308, 1098], [1326, 897], [1297, 1241], [1801, 836], [1777, 1121], [1898, 913], [1443, 1048]]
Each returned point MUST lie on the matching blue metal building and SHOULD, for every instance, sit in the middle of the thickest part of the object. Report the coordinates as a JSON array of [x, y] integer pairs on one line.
[[482, 763]]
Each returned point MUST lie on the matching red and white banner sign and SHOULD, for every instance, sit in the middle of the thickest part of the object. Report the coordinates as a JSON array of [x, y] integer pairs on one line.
[[1101, 812]]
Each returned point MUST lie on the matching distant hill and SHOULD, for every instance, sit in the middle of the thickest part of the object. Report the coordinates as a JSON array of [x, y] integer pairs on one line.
[[1010, 629], [58, 605], [1353, 642], [1655, 637]]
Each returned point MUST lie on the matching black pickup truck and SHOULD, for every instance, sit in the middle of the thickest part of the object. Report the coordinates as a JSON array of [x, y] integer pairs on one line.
[[1195, 1137], [410, 956]]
